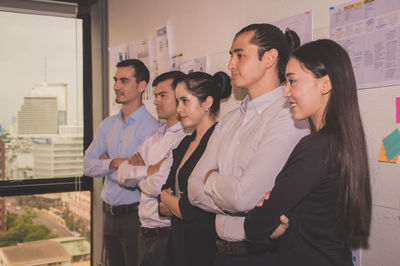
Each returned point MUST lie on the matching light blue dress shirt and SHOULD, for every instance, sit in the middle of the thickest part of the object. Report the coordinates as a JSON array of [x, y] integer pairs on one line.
[[118, 140]]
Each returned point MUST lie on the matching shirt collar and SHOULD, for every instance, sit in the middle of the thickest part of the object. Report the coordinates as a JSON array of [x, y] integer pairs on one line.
[[261, 102], [174, 129], [138, 114]]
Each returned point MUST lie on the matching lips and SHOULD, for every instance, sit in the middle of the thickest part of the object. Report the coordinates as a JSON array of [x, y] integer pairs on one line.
[[292, 105], [234, 75], [182, 117]]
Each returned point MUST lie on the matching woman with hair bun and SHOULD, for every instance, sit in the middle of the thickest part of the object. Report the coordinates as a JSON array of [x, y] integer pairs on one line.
[[250, 144], [323, 192], [192, 238]]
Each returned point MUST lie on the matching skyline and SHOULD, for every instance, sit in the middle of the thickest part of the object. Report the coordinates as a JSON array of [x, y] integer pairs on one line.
[[30, 55]]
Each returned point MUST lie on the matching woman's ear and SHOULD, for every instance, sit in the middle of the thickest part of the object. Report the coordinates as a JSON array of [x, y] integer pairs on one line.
[[207, 103], [326, 85]]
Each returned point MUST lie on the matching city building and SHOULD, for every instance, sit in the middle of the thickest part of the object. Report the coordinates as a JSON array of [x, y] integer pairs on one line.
[[60, 155], [77, 247], [38, 253], [38, 115]]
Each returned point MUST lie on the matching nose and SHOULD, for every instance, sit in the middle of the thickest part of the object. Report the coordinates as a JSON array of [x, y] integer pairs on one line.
[[232, 63], [156, 100], [179, 108], [286, 91]]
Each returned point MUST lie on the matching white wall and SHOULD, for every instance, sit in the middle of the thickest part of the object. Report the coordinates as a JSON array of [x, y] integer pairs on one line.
[[206, 28]]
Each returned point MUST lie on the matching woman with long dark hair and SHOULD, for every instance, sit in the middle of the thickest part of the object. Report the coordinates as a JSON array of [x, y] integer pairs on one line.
[[192, 238], [324, 187]]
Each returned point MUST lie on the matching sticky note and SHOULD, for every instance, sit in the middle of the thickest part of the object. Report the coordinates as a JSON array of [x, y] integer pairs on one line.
[[392, 144], [383, 158], [398, 110]]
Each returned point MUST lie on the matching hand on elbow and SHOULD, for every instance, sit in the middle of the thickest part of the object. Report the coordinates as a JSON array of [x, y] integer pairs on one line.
[[281, 229]]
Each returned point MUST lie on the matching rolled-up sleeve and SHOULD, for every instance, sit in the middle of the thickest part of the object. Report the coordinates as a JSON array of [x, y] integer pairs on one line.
[[153, 183], [93, 166]]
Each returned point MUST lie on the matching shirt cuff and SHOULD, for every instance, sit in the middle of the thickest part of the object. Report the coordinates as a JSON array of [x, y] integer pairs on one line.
[[141, 171]]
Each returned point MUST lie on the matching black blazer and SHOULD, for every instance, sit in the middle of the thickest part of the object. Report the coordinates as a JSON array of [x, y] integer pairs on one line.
[[188, 211]]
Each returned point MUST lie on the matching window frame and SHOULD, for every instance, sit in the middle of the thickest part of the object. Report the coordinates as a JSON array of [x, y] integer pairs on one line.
[[12, 188]]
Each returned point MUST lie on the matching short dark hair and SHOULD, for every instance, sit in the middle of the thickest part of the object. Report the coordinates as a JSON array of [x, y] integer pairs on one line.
[[141, 71], [168, 75], [201, 85], [342, 121], [267, 37]]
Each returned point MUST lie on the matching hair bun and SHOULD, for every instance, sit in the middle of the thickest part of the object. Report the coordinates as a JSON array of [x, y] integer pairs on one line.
[[224, 84], [292, 39]]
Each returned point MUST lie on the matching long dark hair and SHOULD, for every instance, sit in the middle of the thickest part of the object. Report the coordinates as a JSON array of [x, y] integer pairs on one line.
[[344, 126], [202, 85], [267, 37]]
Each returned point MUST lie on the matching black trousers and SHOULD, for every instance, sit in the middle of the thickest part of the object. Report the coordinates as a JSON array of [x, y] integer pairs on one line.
[[152, 250], [266, 259], [120, 236]]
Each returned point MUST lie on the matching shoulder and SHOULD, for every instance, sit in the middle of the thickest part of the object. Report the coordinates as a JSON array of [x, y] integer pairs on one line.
[[107, 123], [315, 143]]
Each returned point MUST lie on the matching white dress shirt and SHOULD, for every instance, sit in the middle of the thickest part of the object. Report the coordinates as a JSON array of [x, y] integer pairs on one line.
[[249, 147], [157, 146]]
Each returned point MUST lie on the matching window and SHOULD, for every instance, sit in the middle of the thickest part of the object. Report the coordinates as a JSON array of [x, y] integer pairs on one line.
[[41, 123], [44, 124]]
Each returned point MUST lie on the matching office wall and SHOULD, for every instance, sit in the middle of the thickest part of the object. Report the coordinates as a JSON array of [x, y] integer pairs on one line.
[[206, 28]]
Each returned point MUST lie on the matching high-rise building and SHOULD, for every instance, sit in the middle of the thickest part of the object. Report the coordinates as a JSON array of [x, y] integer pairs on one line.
[[38, 115], [59, 156]]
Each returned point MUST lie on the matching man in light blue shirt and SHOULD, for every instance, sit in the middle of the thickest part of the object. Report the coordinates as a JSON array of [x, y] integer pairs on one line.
[[117, 138]]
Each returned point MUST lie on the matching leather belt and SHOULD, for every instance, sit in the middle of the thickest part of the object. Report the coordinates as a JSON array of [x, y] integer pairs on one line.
[[156, 232], [120, 209], [243, 248], [232, 248]]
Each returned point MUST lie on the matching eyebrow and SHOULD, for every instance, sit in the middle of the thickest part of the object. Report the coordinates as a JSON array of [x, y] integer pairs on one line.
[[237, 50], [289, 74], [161, 92]]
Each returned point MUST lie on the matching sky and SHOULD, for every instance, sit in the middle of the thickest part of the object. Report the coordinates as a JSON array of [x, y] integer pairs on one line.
[[30, 42]]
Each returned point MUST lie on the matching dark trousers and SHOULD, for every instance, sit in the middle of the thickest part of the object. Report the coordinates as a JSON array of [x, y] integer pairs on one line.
[[120, 236], [152, 250], [266, 259]]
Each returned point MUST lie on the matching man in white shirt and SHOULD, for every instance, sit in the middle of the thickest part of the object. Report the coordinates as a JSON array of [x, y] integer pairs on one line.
[[249, 145], [149, 169]]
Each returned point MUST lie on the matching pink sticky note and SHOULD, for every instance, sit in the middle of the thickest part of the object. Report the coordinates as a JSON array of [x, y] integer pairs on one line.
[[398, 110]]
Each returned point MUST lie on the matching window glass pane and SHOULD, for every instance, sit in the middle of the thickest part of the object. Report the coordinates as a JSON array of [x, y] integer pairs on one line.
[[41, 122], [50, 228]]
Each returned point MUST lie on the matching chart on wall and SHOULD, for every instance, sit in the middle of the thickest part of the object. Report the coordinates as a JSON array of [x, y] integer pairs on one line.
[[300, 23], [370, 32]]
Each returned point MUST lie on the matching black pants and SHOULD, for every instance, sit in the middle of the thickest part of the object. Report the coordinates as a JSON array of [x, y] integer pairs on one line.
[[266, 259], [121, 238], [152, 250]]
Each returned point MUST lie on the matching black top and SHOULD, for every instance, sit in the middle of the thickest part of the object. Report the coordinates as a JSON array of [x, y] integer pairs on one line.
[[306, 191], [192, 239]]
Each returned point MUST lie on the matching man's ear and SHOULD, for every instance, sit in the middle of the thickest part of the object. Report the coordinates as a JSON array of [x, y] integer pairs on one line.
[[142, 86], [270, 58]]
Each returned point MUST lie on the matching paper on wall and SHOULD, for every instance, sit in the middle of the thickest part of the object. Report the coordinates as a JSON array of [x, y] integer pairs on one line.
[[398, 110], [197, 64], [392, 144], [369, 31], [300, 23], [117, 54], [162, 51]]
